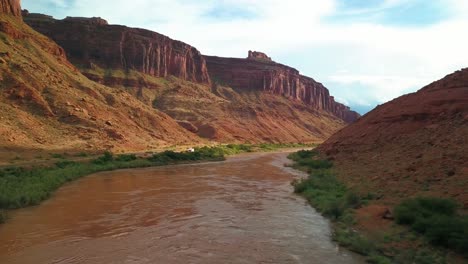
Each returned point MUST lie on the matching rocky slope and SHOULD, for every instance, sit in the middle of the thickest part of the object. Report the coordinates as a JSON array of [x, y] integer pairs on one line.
[[47, 104], [298, 110], [259, 72], [413, 145], [91, 43]]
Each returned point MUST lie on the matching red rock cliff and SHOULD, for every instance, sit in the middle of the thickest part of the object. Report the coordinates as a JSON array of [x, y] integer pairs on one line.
[[414, 145], [264, 74], [10, 7], [91, 41]]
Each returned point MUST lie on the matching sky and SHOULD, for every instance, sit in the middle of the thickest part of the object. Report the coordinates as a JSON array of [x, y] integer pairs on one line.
[[366, 52]]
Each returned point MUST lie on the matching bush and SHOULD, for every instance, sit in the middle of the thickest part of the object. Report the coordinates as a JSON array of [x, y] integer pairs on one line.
[[353, 241], [105, 158], [126, 157], [302, 154], [204, 153], [64, 163], [437, 220], [353, 200]]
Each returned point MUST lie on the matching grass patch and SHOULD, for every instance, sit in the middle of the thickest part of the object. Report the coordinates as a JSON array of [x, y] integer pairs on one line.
[[322, 189], [200, 154], [21, 187], [437, 220], [232, 149], [334, 200]]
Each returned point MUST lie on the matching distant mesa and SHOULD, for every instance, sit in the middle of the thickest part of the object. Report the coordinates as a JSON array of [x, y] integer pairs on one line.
[[260, 56], [92, 20]]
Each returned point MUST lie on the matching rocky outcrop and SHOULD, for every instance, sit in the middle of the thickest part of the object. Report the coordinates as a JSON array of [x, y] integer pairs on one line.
[[255, 55], [413, 145], [91, 41], [11, 7], [258, 73], [97, 21]]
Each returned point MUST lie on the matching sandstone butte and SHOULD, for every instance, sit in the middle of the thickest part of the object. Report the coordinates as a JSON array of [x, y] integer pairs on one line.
[[415, 145], [215, 98]]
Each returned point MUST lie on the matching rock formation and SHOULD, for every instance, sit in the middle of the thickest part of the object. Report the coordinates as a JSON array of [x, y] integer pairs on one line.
[[258, 72], [91, 41], [47, 105], [413, 145], [255, 55], [10, 7]]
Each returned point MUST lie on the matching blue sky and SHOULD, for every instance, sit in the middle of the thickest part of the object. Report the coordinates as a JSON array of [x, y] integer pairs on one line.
[[365, 51]]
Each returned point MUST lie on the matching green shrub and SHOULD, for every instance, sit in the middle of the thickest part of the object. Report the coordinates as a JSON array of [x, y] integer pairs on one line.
[[64, 163], [105, 158], [315, 164], [302, 154], [126, 157], [437, 220], [378, 259], [354, 241], [334, 209], [353, 200]]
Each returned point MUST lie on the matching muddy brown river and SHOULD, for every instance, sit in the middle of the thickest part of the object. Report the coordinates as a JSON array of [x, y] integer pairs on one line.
[[239, 211]]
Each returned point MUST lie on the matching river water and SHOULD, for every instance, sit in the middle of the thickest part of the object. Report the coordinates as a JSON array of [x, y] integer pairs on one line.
[[239, 211]]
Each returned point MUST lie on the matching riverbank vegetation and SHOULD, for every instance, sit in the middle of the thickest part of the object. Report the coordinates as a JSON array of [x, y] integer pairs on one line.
[[333, 199], [26, 186], [436, 219], [22, 187]]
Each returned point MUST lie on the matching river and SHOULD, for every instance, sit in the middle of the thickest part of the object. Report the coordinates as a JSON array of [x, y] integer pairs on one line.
[[238, 211]]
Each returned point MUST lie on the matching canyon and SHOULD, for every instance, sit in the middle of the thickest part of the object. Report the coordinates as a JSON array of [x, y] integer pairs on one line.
[[94, 86]]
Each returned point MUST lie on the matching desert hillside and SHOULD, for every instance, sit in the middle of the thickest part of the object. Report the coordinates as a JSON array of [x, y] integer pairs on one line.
[[413, 145], [47, 104]]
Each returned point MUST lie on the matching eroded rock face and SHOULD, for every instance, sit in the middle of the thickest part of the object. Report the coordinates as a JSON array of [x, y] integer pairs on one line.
[[414, 145], [11, 7], [92, 41], [275, 78]]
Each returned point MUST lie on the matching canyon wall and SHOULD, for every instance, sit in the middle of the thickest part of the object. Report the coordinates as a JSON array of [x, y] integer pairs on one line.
[[259, 72], [414, 145], [10, 7], [93, 45], [91, 42]]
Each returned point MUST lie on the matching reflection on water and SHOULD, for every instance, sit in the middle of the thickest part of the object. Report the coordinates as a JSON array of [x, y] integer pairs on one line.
[[239, 211]]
